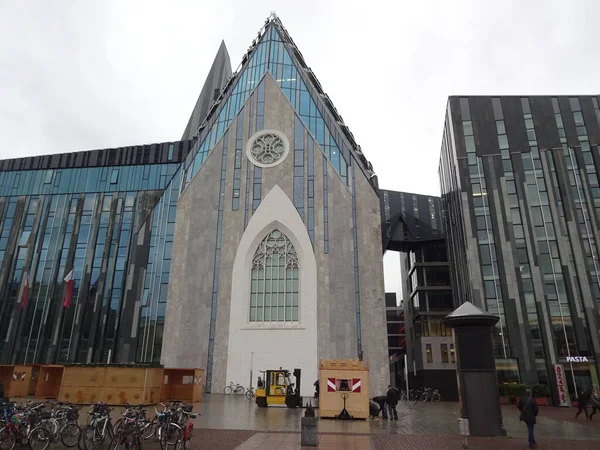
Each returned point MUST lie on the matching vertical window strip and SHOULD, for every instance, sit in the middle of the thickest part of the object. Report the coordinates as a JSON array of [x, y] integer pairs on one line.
[[217, 266], [517, 226], [257, 188], [237, 166], [260, 107], [311, 190], [299, 166], [247, 196], [356, 268], [325, 208]]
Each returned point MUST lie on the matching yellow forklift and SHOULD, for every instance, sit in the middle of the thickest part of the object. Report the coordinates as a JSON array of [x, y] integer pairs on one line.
[[277, 389]]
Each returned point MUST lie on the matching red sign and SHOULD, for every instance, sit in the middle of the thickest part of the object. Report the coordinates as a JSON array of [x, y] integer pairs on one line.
[[331, 385], [559, 377], [355, 384]]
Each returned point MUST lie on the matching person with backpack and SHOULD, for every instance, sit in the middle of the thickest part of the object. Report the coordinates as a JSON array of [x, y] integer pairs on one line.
[[529, 411]]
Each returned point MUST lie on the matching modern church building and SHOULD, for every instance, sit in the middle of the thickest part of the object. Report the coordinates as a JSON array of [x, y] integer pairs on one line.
[[253, 243]]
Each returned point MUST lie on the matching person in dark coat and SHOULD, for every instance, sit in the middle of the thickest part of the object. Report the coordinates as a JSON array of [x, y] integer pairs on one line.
[[392, 401], [1, 391], [316, 385], [529, 411], [381, 401], [594, 403], [582, 403]]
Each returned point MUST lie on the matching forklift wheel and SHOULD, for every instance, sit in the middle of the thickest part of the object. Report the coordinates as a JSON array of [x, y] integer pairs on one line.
[[261, 402], [292, 402]]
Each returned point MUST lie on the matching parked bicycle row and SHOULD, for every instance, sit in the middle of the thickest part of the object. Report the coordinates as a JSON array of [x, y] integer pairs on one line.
[[423, 394], [37, 425]]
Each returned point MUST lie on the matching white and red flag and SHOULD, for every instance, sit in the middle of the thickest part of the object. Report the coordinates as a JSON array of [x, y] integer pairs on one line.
[[69, 289]]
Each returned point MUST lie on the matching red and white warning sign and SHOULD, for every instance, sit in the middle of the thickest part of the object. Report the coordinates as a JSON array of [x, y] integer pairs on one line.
[[331, 385]]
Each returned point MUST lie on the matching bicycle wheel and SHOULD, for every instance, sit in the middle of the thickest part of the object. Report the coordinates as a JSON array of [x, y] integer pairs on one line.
[[170, 436], [436, 397], [117, 426], [39, 438], [249, 394], [149, 430], [7, 439], [227, 390], [94, 437], [69, 435], [414, 398], [189, 433], [239, 390]]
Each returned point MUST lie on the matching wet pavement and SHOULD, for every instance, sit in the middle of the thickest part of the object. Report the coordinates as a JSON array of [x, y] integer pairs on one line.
[[422, 426], [236, 413]]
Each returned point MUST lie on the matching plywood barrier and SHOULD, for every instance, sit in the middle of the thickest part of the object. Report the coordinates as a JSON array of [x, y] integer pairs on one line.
[[337, 377], [114, 385], [35, 373], [186, 385], [16, 380], [49, 381]]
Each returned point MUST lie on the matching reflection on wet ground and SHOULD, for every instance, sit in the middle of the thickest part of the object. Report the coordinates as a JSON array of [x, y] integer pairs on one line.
[[236, 413]]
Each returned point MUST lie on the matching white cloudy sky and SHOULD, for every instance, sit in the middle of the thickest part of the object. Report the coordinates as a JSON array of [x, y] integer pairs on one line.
[[86, 75]]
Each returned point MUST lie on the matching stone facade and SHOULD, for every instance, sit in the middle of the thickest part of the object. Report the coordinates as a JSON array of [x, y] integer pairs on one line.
[[327, 326]]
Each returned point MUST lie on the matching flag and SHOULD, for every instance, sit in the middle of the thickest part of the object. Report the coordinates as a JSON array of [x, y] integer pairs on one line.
[[25, 292], [69, 289]]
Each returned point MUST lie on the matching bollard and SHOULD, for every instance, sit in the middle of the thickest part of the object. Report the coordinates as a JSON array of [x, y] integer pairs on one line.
[[463, 430], [310, 428]]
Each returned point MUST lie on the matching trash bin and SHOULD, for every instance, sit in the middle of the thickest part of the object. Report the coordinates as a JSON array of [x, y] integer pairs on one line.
[[310, 431]]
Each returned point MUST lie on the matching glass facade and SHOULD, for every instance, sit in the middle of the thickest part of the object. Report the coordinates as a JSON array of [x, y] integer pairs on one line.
[[521, 193], [85, 219], [272, 55]]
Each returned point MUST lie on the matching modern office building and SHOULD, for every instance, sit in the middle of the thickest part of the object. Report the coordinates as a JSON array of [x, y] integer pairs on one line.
[[252, 244], [521, 199]]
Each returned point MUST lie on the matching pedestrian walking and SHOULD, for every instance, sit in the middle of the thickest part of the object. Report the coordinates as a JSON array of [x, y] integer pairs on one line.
[[529, 411], [594, 403], [392, 401], [582, 403], [316, 385], [381, 400]]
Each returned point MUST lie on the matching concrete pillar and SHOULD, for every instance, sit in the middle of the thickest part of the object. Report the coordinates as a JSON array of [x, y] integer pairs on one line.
[[476, 369]]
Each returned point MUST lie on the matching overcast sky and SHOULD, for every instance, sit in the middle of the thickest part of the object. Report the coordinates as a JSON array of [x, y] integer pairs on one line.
[[88, 75]]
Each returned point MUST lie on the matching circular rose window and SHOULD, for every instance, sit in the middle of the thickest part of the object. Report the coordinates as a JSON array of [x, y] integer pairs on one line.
[[267, 148]]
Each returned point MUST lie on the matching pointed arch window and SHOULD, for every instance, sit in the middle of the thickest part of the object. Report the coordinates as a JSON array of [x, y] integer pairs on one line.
[[275, 281]]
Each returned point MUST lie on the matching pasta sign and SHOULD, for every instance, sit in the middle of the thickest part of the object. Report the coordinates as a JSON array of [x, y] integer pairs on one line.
[[559, 376]]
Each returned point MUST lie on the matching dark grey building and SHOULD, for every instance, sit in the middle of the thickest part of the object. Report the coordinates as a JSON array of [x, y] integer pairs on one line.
[[412, 225], [396, 330], [521, 202]]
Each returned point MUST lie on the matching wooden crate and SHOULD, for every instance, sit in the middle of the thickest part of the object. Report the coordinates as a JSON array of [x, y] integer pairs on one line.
[[337, 377], [16, 380], [82, 384], [186, 385], [113, 385], [49, 381]]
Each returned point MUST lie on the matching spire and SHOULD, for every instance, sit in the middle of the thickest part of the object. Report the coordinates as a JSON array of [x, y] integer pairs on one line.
[[218, 75], [273, 50]]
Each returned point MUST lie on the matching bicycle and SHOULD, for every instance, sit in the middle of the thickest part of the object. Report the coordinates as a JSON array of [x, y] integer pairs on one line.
[[99, 428], [233, 388], [19, 425], [250, 393], [188, 425], [62, 424], [128, 434], [430, 395]]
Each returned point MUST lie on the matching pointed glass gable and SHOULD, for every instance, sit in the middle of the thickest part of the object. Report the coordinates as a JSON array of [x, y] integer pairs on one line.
[[270, 54]]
